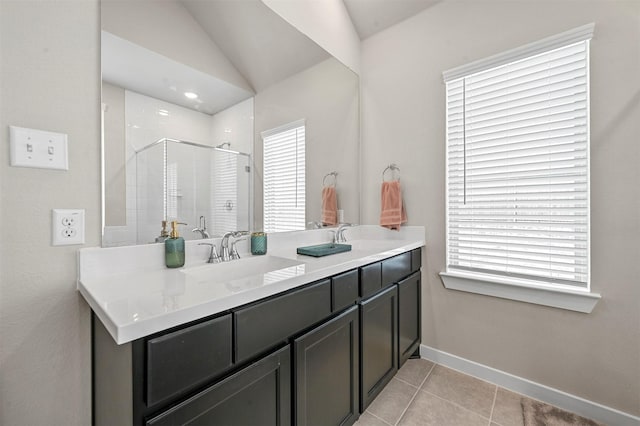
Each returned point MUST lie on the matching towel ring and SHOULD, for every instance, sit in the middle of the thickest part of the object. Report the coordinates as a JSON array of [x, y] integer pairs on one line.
[[335, 178], [391, 167]]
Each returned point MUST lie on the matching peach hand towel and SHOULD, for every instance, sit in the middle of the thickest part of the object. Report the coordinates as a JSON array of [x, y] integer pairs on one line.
[[392, 212], [329, 206]]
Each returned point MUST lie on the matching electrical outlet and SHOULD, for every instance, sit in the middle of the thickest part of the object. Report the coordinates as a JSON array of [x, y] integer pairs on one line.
[[67, 227]]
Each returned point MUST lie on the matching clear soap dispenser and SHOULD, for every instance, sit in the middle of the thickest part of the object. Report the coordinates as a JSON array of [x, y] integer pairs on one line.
[[174, 247]]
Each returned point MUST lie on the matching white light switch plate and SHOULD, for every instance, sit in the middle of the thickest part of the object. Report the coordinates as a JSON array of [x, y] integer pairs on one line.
[[38, 148], [67, 227]]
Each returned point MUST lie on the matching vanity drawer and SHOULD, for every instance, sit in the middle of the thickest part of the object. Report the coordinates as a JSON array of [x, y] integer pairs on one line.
[[396, 268], [344, 290], [370, 279], [182, 359], [265, 324], [416, 259]]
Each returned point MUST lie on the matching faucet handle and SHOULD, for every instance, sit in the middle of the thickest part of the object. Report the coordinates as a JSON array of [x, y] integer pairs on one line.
[[234, 250], [213, 254]]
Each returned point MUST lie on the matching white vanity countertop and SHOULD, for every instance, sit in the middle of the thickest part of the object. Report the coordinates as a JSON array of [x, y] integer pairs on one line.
[[134, 295]]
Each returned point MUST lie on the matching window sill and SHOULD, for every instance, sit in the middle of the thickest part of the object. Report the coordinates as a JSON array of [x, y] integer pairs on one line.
[[579, 301]]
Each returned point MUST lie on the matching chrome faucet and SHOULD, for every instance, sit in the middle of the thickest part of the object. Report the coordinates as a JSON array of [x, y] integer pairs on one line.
[[213, 254], [339, 233], [224, 245], [234, 250], [202, 229]]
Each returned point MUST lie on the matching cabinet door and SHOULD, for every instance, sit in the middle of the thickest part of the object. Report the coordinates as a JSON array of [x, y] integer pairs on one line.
[[408, 317], [260, 394], [327, 373], [378, 343]]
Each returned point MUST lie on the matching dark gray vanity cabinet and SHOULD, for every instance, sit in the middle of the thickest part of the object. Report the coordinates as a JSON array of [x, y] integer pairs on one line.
[[259, 394], [389, 320], [326, 372], [314, 355], [378, 343], [409, 328]]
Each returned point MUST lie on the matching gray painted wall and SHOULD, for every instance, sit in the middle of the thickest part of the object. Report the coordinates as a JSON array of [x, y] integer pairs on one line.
[[49, 79], [595, 356]]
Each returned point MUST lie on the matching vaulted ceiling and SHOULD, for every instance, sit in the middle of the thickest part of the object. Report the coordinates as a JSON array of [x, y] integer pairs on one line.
[[372, 16]]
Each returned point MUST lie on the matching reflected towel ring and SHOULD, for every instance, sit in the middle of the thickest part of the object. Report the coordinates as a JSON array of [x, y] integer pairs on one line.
[[391, 167], [335, 178]]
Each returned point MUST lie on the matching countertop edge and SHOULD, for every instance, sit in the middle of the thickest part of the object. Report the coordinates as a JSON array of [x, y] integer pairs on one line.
[[126, 333]]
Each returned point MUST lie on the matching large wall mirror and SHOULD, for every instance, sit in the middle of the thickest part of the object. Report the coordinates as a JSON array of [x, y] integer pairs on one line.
[[220, 114]]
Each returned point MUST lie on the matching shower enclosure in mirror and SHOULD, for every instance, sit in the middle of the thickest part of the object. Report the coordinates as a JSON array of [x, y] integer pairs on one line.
[[206, 187], [251, 71]]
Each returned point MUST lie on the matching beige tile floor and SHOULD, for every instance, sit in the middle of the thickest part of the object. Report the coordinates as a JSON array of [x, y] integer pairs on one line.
[[424, 393]]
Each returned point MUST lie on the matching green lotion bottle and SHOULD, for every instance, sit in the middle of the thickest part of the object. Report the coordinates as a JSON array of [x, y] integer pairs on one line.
[[174, 248]]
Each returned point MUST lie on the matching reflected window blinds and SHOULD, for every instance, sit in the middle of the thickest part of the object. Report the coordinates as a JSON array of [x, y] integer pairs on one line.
[[284, 178], [518, 163]]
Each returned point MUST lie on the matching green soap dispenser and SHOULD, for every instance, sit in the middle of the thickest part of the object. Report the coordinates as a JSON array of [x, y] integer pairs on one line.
[[174, 247]]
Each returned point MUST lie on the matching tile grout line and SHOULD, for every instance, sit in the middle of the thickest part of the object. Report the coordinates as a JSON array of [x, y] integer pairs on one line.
[[407, 407], [454, 403], [415, 394], [382, 420], [405, 382], [493, 406]]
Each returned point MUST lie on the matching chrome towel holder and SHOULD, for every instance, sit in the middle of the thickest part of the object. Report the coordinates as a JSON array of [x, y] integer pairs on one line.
[[391, 167], [335, 179]]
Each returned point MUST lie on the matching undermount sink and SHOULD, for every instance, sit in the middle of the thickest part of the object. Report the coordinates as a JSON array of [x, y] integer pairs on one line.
[[323, 249], [241, 268]]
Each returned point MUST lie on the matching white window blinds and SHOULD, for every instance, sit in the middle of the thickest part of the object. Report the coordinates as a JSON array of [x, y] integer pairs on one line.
[[518, 167], [284, 178]]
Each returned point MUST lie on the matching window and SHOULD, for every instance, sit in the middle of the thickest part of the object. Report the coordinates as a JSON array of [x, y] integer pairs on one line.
[[284, 178], [518, 165]]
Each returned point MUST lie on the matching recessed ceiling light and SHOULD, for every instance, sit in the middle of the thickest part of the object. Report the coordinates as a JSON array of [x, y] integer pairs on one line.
[[163, 112], [191, 95]]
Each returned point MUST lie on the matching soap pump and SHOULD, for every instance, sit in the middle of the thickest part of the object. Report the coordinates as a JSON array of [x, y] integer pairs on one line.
[[174, 247], [163, 234]]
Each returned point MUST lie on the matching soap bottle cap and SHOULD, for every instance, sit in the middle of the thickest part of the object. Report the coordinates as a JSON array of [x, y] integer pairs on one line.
[[174, 228], [164, 232]]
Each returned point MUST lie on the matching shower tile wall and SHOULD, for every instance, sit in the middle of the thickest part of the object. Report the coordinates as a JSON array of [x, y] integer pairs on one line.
[[146, 125]]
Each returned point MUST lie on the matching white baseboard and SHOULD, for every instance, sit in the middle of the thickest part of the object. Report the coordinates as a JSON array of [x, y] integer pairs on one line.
[[572, 403]]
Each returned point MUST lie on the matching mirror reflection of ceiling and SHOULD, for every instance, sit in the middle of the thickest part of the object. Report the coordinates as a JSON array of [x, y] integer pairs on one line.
[[131, 66], [262, 55], [256, 42], [256, 59]]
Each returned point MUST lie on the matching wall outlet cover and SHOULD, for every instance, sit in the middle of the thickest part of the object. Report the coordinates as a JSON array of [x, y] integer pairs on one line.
[[67, 227]]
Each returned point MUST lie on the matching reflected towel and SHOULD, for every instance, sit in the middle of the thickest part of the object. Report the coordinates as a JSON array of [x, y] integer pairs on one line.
[[329, 206], [392, 212]]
